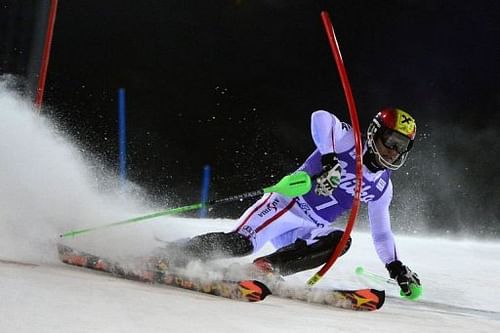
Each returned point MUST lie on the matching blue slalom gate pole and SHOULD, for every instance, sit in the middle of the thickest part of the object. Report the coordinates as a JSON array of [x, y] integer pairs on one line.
[[122, 138], [205, 185]]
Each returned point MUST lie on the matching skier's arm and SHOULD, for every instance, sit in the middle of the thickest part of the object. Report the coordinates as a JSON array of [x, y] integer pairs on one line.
[[326, 129], [383, 238], [380, 225]]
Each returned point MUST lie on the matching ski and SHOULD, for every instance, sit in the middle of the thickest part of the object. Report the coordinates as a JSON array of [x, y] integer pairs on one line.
[[359, 299], [241, 290]]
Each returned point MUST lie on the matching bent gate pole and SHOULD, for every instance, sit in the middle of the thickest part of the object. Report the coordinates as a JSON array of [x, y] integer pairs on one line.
[[46, 55], [358, 147]]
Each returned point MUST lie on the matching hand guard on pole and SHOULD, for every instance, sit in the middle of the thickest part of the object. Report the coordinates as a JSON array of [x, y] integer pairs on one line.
[[407, 280], [329, 178]]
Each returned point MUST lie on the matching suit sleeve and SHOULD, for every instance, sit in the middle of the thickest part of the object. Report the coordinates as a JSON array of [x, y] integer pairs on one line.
[[380, 225], [326, 130]]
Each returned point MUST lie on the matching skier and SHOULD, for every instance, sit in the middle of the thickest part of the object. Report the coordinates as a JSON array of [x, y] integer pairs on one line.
[[302, 228]]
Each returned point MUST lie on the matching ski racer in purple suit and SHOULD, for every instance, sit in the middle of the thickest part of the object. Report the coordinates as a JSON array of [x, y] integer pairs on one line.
[[302, 228]]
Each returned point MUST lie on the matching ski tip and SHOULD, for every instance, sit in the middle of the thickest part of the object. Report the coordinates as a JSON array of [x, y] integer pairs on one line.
[[253, 290], [381, 297], [369, 299], [62, 248]]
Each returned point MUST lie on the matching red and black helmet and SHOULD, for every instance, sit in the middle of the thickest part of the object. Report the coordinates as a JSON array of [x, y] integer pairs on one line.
[[396, 129]]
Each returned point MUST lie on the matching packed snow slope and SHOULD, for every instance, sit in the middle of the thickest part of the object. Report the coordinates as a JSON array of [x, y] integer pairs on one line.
[[48, 187], [460, 280]]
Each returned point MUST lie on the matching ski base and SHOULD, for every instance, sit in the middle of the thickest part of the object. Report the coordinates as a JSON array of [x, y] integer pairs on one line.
[[244, 290]]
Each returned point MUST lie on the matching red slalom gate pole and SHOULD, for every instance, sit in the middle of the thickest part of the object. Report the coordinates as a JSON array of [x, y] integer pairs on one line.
[[46, 55], [358, 147]]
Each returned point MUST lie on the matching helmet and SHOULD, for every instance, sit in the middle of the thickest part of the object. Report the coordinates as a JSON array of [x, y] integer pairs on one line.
[[396, 130]]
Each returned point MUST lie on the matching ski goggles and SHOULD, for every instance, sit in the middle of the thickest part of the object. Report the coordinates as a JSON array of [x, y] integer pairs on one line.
[[395, 141]]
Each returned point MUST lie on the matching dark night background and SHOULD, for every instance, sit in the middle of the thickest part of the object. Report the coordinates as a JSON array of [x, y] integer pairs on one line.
[[232, 84]]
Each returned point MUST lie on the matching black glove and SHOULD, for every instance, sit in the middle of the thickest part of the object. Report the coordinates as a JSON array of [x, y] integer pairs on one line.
[[407, 280], [329, 178]]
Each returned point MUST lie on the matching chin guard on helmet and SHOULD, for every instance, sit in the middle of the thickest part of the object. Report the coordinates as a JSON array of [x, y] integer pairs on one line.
[[396, 129]]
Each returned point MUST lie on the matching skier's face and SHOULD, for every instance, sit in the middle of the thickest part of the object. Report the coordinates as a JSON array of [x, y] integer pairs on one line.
[[390, 155]]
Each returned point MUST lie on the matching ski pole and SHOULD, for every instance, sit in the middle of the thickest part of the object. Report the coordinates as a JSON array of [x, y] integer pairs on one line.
[[374, 277], [293, 185], [416, 291]]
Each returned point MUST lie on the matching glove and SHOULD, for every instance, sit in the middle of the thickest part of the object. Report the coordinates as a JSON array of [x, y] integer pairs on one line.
[[407, 280], [329, 178]]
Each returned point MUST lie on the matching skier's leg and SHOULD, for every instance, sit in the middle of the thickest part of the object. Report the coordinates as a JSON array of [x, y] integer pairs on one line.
[[218, 245], [208, 246], [300, 256], [270, 216]]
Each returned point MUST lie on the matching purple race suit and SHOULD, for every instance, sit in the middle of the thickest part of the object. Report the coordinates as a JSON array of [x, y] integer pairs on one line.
[[282, 220]]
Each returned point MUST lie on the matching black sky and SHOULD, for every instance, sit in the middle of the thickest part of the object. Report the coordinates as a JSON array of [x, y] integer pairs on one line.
[[232, 84]]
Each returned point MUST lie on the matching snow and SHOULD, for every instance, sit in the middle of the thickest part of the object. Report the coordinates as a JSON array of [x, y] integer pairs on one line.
[[59, 298], [48, 187]]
